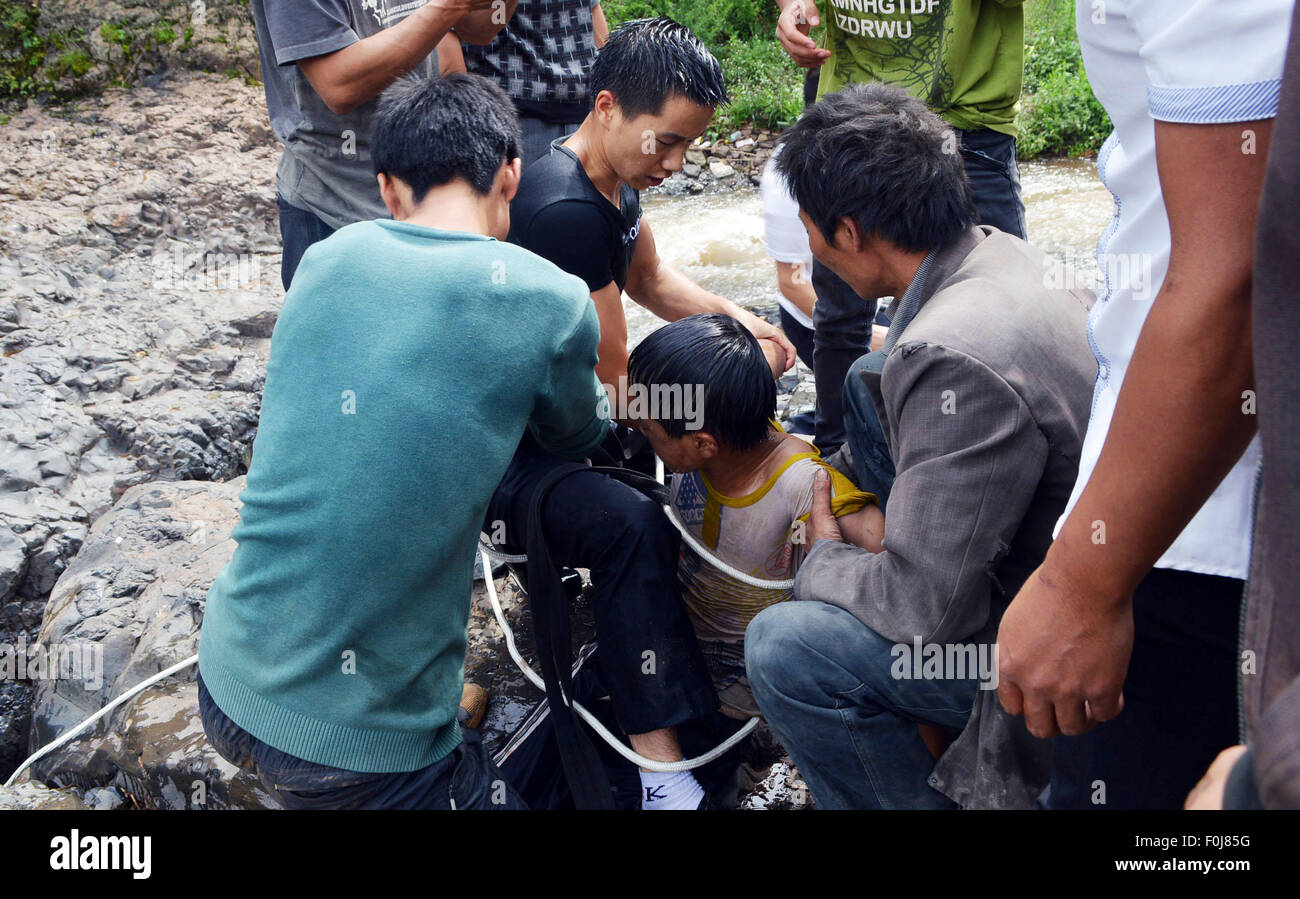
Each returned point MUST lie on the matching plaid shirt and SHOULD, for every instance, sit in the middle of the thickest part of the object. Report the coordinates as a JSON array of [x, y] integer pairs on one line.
[[543, 55]]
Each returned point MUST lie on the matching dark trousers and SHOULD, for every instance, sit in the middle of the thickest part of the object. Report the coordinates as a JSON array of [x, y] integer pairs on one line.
[[465, 777], [800, 336], [1180, 701], [649, 658], [299, 229], [842, 319]]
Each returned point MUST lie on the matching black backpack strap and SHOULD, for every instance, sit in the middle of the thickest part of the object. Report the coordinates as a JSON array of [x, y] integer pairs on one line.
[[552, 635]]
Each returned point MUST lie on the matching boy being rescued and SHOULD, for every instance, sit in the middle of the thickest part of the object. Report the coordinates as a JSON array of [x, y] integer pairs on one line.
[[742, 486]]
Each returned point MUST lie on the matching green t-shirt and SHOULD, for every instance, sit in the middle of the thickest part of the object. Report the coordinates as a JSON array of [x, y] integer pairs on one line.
[[964, 58]]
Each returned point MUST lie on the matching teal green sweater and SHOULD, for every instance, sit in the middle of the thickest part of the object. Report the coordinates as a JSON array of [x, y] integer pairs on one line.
[[404, 367]]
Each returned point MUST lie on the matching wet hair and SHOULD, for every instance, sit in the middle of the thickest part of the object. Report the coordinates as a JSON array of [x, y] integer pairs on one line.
[[716, 351], [431, 131], [646, 60], [876, 154]]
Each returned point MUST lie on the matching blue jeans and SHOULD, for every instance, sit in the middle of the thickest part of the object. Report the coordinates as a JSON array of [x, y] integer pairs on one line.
[[299, 229], [465, 776], [872, 460], [823, 681]]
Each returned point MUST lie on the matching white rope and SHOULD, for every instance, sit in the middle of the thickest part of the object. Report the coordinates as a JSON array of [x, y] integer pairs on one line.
[[617, 744], [708, 555], [67, 736], [489, 553]]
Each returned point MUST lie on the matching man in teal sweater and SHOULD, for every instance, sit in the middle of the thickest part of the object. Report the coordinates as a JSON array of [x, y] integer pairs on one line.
[[406, 362]]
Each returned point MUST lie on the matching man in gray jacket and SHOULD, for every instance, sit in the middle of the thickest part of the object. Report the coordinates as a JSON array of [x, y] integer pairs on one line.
[[968, 425]]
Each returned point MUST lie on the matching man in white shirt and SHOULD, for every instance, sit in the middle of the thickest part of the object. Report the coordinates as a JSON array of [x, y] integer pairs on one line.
[[1132, 619]]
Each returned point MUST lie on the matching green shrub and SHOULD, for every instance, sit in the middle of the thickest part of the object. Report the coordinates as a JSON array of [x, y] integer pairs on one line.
[[766, 88], [1058, 113], [22, 50]]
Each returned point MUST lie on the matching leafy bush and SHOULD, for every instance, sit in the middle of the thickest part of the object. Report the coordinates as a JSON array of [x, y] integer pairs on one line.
[[1058, 112], [766, 88], [22, 50]]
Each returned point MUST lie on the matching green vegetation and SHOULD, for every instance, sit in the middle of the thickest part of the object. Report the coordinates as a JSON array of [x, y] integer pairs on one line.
[[22, 50], [46, 64], [1059, 115]]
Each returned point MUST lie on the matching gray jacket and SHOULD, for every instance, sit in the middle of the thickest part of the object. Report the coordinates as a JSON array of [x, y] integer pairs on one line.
[[984, 399]]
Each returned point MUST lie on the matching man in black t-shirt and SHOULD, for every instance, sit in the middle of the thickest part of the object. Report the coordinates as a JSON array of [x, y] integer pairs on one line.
[[654, 88]]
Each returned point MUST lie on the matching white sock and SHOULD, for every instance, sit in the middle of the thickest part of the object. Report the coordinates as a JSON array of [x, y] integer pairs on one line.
[[673, 791]]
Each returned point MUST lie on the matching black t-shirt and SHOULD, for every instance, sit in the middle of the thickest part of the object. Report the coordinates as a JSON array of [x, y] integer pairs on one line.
[[561, 216]]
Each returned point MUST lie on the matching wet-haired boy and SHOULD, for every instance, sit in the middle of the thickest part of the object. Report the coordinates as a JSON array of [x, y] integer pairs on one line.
[[743, 487]]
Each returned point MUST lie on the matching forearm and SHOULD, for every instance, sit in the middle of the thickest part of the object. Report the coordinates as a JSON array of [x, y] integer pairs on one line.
[[347, 78], [671, 295], [1184, 414], [793, 279], [1190, 372]]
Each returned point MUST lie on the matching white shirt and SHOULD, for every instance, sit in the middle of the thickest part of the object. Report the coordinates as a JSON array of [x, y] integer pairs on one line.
[[787, 240], [1192, 61]]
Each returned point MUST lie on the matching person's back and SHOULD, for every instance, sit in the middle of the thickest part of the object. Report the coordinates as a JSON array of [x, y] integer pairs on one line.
[[1000, 278], [406, 362], [371, 473]]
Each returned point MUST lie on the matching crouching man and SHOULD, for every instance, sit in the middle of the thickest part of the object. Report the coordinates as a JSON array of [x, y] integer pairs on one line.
[[967, 425], [408, 358]]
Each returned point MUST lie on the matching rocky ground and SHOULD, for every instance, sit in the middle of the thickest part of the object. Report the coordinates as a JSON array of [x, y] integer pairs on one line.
[[139, 283]]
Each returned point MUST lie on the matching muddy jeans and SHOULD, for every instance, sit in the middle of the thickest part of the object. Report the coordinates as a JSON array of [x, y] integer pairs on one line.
[[827, 685], [842, 319], [464, 779]]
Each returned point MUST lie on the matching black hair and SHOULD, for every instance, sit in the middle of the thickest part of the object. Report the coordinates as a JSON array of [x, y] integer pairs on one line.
[[646, 60], [716, 351], [876, 154], [430, 131]]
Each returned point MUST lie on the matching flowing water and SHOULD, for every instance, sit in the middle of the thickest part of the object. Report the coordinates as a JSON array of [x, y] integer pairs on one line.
[[717, 239]]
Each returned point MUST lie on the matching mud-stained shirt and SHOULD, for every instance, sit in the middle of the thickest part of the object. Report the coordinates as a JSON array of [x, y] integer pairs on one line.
[[761, 534]]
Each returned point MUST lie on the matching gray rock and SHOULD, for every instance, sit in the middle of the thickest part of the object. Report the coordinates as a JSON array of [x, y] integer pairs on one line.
[[719, 169]]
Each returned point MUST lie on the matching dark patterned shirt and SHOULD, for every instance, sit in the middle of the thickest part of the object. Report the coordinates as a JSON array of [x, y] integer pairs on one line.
[[541, 58]]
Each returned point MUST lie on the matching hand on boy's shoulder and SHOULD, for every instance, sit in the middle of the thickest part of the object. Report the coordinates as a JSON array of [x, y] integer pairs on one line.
[[821, 523], [864, 528]]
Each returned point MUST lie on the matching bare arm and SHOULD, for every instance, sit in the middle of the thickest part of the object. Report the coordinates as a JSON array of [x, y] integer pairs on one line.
[[613, 337], [359, 72], [599, 25], [669, 294], [1067, 636], [796, 286], [451, 58], [864, 528]]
